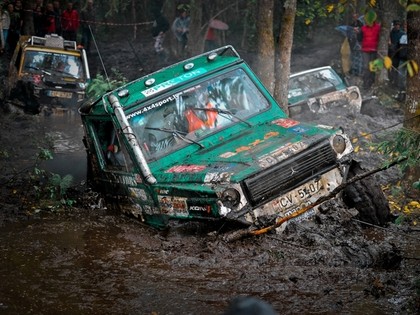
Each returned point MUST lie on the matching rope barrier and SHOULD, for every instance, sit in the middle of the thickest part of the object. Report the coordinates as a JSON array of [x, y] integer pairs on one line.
[[100, 22]]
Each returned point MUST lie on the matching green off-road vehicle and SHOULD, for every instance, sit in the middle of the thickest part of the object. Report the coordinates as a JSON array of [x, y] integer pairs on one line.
[[203, 139]]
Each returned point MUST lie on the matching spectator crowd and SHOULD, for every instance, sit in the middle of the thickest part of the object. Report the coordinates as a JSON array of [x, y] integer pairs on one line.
[[47, 18]]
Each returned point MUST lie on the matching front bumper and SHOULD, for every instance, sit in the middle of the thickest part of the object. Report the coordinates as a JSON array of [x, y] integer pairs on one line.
[[296, 199]]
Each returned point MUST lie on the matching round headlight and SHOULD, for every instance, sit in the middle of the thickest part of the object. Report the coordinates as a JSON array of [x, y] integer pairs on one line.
[[230, 198], [354, 95], [339, 144]]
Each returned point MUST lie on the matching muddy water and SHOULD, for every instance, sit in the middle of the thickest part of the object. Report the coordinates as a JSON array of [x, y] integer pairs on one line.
[[94, 262], [94, 267], [66, 132]]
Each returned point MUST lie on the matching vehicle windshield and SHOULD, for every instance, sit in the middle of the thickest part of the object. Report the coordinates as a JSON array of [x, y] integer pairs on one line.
[[311, 83], [53, 62], [184, 118]]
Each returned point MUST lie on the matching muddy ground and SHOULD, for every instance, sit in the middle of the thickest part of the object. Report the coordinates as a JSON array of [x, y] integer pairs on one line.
[[86, 259]]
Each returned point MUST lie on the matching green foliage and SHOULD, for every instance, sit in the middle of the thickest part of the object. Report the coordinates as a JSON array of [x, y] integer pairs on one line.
[[404, 145], [44, 154], [4, 154], [309, 13], [413, 7], [60, 184], [370, 17], [311, 10], [100, 85], [400, 220], [117, 7], [50, 185]]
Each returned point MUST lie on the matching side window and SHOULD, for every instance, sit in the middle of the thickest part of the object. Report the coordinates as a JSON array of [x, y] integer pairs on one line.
[[112, 148]]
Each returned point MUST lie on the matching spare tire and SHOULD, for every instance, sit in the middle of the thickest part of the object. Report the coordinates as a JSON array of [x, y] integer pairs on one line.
[[366, 196]]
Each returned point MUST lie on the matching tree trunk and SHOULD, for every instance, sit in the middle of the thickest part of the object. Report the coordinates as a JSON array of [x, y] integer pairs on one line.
[[412, 106], [265, 54], [285, 51], [387, 12], [134, 14], [169, 12], [194, 38]]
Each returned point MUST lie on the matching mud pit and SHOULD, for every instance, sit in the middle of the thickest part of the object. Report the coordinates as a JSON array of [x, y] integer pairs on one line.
[[87, 260]]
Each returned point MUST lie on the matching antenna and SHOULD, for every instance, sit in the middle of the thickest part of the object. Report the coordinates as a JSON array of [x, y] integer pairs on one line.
[[100, 57]]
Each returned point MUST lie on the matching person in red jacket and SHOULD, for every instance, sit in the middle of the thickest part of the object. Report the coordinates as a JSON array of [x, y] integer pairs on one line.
[[70, 22], [49, 19], [369, 37]]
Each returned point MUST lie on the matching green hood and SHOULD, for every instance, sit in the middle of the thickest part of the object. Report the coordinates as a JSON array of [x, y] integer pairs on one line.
[[254, 149]]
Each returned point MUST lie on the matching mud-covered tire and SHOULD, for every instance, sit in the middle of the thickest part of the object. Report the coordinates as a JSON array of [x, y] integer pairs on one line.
[[367, 197]]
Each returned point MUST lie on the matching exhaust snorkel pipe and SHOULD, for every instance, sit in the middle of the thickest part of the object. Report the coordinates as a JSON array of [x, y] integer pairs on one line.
[[126, 129]]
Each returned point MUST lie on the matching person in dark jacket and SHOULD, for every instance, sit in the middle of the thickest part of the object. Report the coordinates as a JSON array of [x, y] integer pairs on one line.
[[159, 29], [88, 17], [393, 50], [49, 19]]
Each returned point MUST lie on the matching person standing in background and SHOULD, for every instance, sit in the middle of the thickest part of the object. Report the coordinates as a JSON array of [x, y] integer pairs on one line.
[[210, 40], [49, 19], [159, 29], [4, 27], [70, 22], [393, 53], [87, 22], [355, 46], [181, 28], [57, 14], [369, 37], [38, 17], [14, 28]]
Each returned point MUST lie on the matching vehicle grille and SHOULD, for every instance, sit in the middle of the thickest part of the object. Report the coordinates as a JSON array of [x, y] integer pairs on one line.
[[289, 174], [63, 85]]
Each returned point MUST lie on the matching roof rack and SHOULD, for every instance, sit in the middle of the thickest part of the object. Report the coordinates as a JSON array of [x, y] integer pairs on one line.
[[52, 40]]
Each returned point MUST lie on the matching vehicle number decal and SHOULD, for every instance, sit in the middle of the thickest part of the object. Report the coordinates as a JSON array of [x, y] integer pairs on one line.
[[285, 122], [281, 153], [186, 169], [299, 129], [170, 83], [250, 146], [173, 205]]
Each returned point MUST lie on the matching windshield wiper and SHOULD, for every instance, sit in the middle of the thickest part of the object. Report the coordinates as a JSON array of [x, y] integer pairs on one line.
[[65, 73], [39, 69], [222, 111], [178, 134]]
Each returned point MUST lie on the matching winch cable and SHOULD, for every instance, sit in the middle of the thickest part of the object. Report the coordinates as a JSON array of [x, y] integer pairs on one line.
[[388, 230], [247, 232], [100, 56]]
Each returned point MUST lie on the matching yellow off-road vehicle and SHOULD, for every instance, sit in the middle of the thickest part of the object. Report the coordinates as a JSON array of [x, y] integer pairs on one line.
[[47, 72]]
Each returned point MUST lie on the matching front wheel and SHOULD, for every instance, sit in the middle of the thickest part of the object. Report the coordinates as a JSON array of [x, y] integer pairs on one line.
[[366, 196]]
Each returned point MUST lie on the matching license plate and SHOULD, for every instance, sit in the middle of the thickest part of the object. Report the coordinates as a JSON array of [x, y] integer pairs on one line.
[[60, 94], [301, 196]]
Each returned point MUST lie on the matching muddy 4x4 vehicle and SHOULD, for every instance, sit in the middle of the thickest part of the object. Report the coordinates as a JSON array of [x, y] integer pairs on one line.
[[203, 139], [47, 72], [320, 90]]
